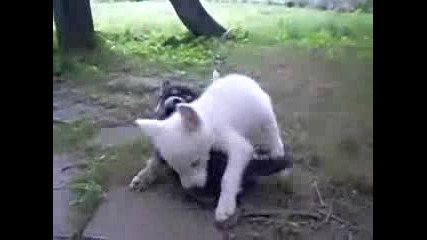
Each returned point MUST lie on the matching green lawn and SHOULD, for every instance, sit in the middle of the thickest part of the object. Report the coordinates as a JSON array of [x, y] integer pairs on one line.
[[138, 29], [267, 23]]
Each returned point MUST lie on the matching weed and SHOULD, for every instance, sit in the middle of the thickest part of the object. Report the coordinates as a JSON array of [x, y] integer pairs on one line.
[[152, 48], [89, 194], [70, 137], [106, 167]]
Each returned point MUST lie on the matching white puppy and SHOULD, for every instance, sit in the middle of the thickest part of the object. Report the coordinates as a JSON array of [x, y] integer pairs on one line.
[[224, 117]]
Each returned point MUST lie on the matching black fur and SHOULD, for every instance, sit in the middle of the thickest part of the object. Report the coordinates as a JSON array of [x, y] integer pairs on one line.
[[218, 160], [167, 90]]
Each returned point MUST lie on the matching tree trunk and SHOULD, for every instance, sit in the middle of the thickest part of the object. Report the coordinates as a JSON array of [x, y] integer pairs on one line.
[[74, 24], [196, 19]]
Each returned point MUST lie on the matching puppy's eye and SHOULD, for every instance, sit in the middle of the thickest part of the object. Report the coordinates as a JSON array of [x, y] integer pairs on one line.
[[194, 164]]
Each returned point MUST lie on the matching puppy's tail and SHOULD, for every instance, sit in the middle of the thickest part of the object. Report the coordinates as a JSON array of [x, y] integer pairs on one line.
[[215, 75]]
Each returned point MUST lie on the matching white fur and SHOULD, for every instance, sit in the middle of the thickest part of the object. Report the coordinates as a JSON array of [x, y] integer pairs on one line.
[[224, 117], [215, 75], [147, 175]]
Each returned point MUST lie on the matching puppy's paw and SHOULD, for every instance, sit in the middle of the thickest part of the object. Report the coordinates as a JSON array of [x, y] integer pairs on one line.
[[225, 210], [134, 183], [260, 156], [231, 222], [260, 153], [140, 183]]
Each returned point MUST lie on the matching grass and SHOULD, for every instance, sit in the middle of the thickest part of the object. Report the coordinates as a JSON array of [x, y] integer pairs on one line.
[[71, 137], [107, 167]]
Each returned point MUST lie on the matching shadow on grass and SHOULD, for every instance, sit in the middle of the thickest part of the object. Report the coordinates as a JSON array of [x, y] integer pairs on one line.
[[148, 54], [89, 65]]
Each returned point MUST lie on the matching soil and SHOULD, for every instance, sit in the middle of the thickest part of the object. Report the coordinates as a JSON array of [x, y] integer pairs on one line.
[[344, 211]]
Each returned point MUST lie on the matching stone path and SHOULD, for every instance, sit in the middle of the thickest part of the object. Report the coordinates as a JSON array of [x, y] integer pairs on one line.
[[150, 215], [61, 195], [118, 135], [160, 213]]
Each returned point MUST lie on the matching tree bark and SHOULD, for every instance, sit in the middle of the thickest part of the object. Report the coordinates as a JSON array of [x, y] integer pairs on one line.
[[196, 19], [74, 24]]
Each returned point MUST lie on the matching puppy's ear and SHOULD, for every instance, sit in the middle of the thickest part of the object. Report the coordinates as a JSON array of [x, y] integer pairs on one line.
[[150, 127], [191, 120]]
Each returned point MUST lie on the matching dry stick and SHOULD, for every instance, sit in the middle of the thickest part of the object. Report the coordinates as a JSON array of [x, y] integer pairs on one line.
[[293, 224], [325, 220], [329, 213], [334, 217], [287, 214], [58, 121], [94, 238], [61, 237], [350, 236], [76, 165], [316, 188], [358, 228]]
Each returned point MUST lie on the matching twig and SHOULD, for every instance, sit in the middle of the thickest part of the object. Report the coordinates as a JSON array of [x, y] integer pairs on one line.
[[286, 214], [76, 165], [325, 220], [316, 188], [61, 237], [334, 217], [350, 236], [354, 228], [58, 121], [292, 224], [94, 238]]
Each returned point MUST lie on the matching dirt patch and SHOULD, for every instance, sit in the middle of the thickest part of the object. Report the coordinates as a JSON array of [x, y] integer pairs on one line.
[[133, 84], [101, 108], [118, 102], [324, 106]]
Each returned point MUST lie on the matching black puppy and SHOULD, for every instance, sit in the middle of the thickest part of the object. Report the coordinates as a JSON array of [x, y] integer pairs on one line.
[[170, 96]]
